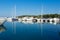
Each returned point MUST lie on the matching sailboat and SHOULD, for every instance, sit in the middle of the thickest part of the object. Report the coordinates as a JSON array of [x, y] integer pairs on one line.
[[13, 18], [4, 19]]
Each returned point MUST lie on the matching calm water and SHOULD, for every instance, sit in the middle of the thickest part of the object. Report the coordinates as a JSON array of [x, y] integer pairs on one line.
[[22, 31]]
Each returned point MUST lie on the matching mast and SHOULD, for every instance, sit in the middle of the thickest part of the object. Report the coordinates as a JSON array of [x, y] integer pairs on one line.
[[41, 19], [15, 22], [15, 11], [14, 17], [42, 11]]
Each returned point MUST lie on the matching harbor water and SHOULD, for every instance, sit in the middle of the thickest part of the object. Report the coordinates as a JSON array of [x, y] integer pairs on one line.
[[35, 31]]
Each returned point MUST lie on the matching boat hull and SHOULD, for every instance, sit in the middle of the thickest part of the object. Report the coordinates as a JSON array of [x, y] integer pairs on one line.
[[2, 21]]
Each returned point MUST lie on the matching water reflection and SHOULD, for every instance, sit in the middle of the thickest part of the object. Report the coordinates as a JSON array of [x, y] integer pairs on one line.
[[29, 22], [2, 28], [33, 32], [32, 22], [59, 33]]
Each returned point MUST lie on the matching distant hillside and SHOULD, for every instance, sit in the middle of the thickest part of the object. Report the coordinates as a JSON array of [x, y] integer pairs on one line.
[[43, 16]]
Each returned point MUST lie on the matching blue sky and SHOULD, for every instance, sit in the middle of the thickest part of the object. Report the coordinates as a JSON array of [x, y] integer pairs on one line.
[[28, 7]]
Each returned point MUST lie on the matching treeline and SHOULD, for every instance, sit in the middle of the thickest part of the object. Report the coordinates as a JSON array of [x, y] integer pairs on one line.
[[43, 16], [51, 16]]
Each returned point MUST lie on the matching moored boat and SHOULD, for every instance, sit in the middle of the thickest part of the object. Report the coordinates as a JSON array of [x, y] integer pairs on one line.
[[2, 21]]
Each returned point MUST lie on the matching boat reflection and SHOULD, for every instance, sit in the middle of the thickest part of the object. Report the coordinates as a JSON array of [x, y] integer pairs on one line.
[[2, 28], [33, 22], [27, 22]]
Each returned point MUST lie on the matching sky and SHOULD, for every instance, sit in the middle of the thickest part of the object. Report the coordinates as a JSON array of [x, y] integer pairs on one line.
[[28, 7]]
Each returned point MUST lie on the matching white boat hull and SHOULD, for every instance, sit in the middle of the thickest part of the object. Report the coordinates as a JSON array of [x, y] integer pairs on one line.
[[2, 20]]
